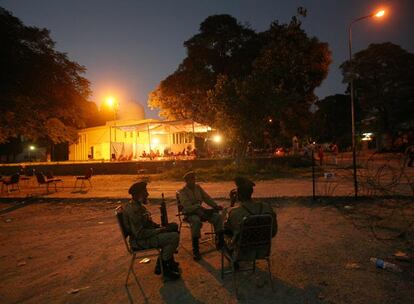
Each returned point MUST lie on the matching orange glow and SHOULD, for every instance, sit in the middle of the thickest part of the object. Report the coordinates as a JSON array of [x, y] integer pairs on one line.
[[110, 101], [217, 138], [380, 13]]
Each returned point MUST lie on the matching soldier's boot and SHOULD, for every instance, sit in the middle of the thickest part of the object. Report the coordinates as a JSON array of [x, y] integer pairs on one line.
[[169, 271], [175, 265], [219, 240], [157, 269], [196, 249]]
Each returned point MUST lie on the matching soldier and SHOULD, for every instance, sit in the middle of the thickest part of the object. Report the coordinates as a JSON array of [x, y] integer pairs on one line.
[[191, 198], [246, 207], [144, 233]]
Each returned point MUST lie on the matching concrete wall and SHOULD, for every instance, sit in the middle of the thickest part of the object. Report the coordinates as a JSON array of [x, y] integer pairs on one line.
[[132, 167], [68, 168]]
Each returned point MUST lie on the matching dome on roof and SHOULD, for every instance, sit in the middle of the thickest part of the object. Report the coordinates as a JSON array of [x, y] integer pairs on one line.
[[131, 110]]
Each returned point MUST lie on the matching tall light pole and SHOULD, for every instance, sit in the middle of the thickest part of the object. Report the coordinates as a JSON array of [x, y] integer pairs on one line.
[[377, 14], [113, 104]]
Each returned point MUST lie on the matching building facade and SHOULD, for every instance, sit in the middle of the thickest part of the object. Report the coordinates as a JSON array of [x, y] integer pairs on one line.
[[133, 139]]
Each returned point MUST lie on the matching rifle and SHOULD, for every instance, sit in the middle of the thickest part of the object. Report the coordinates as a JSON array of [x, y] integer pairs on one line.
[[163, 211]]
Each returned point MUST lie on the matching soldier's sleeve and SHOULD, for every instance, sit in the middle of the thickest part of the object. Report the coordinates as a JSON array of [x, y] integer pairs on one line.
[[187, 202], [226, 215], [135, 223], [232, 221], [206, 198]]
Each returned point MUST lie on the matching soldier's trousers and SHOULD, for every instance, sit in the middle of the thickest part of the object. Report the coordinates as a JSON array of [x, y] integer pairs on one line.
[[167, 241], [196, 223]]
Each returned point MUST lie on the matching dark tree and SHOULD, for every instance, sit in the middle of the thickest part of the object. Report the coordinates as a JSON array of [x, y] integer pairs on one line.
[[384, 86], [43, 96], [235, 79], [332, 121], [223, 47]]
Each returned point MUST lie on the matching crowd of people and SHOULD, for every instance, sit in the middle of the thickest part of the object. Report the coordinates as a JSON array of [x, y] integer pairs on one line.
[[145, 233], [188, 153]]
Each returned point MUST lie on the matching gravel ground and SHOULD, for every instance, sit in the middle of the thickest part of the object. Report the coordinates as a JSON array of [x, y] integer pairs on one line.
[[71, 251]]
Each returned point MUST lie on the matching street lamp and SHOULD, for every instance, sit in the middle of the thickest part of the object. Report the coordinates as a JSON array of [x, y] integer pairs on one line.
[[377, 14], [217, 138], [31, 148], [113, 104]]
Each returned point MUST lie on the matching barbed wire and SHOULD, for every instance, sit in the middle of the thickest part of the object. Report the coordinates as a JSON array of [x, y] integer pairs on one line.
[[383, 176]]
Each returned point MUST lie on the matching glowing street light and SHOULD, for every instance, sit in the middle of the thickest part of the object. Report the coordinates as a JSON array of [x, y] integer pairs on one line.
[[155, 142], [377, 14], [110, 101], [217, 138], [31, 148], [380, 13]]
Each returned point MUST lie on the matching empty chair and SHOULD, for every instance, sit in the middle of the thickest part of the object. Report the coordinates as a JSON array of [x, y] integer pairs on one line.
[[83, 178], [50, 176], [26, 174], [11, 183], [41, 180]]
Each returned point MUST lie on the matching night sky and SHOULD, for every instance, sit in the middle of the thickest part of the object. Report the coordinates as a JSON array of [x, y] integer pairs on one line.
[[129, 46]]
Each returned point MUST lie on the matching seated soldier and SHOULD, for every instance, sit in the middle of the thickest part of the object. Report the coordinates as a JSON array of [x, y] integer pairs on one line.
[[191, 198], [145, 234], [245, 208]]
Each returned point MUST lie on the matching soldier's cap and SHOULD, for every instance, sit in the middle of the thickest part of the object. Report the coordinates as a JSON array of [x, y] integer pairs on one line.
[[137, 188], [188, 175], [244, 183]]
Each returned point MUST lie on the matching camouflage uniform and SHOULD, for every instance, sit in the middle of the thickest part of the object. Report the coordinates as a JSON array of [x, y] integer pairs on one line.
[[144, 233], [237, 214], [191, 200]]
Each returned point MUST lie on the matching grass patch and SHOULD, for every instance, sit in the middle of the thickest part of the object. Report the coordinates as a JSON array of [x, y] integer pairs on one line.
[[287, 167]]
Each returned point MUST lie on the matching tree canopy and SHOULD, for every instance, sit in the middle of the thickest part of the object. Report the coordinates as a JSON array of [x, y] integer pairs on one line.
[[332, 121], [43, 95], [384, 86], [235, 79]]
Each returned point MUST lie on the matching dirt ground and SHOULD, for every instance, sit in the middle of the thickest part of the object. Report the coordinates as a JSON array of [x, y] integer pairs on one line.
[[71, 251]]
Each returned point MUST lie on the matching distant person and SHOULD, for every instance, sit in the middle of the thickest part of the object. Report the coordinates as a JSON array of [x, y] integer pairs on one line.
[[144, 154], [335, 152], [320, 155], [245, 208], [295, 144], [191, 197], [144, 233]]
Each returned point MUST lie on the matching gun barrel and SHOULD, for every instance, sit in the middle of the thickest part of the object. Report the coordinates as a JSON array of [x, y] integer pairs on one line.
[[163, 211]]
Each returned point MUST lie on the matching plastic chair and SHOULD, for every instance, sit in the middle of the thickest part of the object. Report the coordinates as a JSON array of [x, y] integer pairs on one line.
[[254, 243], [41, 180], [134, 251], [83, 178], [13, 181], [26, 175]]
